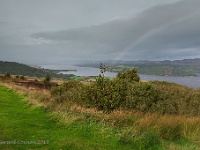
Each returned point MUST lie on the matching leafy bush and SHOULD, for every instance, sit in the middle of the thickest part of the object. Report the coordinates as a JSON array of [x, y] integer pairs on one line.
[[123, 92], [141, 96], [176, 99], [102, 94], [130, 75], [69, 90]]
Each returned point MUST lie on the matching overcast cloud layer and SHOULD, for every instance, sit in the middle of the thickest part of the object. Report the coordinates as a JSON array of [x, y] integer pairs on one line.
[[34, 31]]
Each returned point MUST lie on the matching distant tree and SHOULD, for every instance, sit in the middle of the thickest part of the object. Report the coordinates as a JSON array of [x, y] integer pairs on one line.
[[47, 79], [7, 75]]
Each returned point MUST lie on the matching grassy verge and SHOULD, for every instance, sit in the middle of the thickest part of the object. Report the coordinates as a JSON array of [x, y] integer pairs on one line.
[[26, 127]]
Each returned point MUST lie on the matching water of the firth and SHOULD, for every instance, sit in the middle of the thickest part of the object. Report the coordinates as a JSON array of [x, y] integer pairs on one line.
[[193, 82]]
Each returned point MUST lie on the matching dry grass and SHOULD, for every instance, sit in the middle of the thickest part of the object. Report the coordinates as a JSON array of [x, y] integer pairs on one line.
[[31, 93], [170, 127]]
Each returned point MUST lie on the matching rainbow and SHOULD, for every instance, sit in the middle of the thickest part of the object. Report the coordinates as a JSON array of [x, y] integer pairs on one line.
[[151, 32]]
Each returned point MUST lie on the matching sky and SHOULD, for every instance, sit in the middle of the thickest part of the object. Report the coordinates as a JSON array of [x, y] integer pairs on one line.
[[56, 31]]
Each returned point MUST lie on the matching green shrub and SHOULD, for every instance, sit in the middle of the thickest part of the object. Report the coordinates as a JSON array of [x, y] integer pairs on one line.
[[176, 99], [141, 96], [122, 92], [130, 75], [102, 94], [58, 93], [69, 90]]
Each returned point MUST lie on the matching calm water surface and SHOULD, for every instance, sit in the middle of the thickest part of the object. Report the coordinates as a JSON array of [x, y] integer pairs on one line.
[[193, 82]]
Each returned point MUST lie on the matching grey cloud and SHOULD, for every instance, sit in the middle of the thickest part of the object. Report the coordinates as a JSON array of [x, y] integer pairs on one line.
[[157, 31], [98, 29]]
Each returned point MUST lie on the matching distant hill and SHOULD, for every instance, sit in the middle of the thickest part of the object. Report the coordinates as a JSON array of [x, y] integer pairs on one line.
[[21, 69], [185, 67]]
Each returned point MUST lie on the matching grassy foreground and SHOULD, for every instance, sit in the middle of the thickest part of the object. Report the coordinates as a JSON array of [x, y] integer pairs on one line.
[[27, 127]]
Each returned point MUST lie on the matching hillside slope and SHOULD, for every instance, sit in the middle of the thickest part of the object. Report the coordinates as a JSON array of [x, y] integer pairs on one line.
[[25, 70]]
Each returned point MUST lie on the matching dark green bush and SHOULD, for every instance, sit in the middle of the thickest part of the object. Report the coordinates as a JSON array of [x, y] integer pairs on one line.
[[141, 96], [130, 75], [102, 94], [176, 99], [122, 92], [69, 90]]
